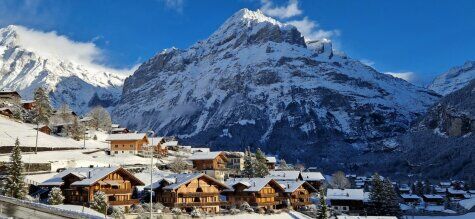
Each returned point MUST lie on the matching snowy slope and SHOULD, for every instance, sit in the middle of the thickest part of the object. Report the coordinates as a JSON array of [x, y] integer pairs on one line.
[[25, 70], [454, 79], [26, 133], [255, 81]]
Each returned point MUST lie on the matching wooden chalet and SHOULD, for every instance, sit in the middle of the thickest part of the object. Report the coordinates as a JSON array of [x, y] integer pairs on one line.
[[211, 163], [28, 104], [433, 199], [297, 194], [411, 199], [80, 184], [456, 194], [45, 129], [258, 192], [6, 112], [10, 96], [159, 147], [315, 179], [119, 130], [270, 162], [188, 191], [348, 201], [131, 143]]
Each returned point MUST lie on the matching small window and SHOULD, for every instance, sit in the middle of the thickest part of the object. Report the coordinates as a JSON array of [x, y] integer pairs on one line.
[[131, 146], [116, 152], [116, 146]]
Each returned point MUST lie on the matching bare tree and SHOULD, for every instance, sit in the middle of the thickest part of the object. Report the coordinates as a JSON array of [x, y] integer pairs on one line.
[[179, 165], [339, 181], [101, 118]]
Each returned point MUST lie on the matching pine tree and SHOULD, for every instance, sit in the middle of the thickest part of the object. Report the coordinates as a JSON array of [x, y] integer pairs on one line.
[[248, 170], [76, 131], [261, 169], [55, 196], [376, 196], [390, 204], [99, 202], [15, 186], [323, 213], [43, 109]]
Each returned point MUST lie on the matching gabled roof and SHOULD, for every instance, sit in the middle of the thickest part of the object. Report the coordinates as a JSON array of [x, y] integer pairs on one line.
[[291, 186], [345, 194], [410, 196], [175, 181], [284, 174], [155, 141], [271, 160], [456, 191], [312, 176], [88, 176], [9, 92], [170, 143], [126, 136], [431, 196], [253, 184], [5, 109], [27, 101], [205, 155], [118, 129]]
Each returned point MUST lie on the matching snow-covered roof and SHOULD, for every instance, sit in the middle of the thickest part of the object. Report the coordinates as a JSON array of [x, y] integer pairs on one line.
[[118, 129], [345, 194], [205, 155], [410, 196], [170, 143], [252, 184], [177, 180], [291, 186], [431, 196], [28, 101], [271, 160], [114, 125], [125, 136], [284, 174], [87, 175], [456, 191], [364, 217], [5, 108], [312, 176], [197, 150]]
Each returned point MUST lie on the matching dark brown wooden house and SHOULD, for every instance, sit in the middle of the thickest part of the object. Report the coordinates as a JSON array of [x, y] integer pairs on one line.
[[348, 201], [209, 161], [10, 96], [297, 194], [45, 129], [258, 192], [80, 184], [28, 104], [188, 191]]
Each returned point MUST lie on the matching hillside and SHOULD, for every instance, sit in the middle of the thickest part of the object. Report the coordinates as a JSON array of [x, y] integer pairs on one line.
[[454, 79], [257, 82]]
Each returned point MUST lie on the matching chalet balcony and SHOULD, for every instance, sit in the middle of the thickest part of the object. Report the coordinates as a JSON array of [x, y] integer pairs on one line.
[[267, 195], [197, 194], [117, 191], [200, 204], [125, 202], [266, 203]]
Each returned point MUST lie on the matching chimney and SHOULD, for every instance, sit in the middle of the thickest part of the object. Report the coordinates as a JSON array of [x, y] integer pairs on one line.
[[89, 174], [288, 186]]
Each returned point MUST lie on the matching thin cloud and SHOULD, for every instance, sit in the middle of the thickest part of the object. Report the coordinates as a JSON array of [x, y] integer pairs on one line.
[[311, 31], [290, 10], [407, 76], [176, 5], [52, 45]]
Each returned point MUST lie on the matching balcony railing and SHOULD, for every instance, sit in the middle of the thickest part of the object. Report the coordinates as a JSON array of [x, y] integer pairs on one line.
[[125, 202], [270, 195], [198, 194], [199, 204], [116, 191]]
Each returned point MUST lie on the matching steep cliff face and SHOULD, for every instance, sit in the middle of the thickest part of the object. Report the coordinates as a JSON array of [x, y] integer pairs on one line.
[[256, 82], [24, 70], [454, 79]]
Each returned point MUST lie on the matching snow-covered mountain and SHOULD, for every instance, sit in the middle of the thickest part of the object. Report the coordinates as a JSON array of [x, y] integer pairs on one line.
[[454, 79], [257, 82], [25, 70]]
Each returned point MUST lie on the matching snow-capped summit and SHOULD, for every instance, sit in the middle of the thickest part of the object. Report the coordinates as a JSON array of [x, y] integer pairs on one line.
[[256, 82], [454, 79], [27, 61]]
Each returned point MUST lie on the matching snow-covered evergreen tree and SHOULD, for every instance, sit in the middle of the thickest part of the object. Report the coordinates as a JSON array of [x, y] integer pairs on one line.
[[55, 196], [390, 203], [99, 202], [43, 109], [76, 130], [248, 170], [376, 196], [261, 169], [117, 212], [283, 165], [323, 212], [15, 186]]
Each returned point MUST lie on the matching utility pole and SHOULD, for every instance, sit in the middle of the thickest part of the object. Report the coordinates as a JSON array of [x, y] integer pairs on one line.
[[151, 173]]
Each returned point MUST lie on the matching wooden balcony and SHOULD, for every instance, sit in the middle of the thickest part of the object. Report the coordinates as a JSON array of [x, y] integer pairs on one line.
[[197, 194], [200, 204], [125, 202], [267, 195], [117, 191], [265, 203]]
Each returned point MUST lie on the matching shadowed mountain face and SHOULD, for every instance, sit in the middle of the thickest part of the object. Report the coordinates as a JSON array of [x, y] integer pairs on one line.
[[256, 82]]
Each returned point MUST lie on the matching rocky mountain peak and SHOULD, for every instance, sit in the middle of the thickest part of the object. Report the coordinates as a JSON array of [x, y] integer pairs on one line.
[[454, 79]]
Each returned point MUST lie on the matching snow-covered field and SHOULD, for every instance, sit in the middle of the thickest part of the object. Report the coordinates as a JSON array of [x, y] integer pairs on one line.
[[465, 216], [26, 133], [289, 215]]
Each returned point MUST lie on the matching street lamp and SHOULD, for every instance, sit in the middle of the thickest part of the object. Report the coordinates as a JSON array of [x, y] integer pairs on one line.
[[151, 172]]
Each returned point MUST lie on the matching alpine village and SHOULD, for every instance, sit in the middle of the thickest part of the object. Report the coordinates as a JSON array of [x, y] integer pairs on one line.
[[78, 146]]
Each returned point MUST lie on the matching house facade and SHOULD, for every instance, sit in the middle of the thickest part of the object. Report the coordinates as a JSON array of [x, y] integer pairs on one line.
[[297, 194], [258, 192], [80, 184], [128, 143], [348, 201], [210, 163], [188, 191], [10, 96]]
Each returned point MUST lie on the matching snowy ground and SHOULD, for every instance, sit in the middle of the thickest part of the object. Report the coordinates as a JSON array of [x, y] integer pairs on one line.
[[76, 158], [468, 203], [78, 208], [26, 133], [289, 215], [465, 216]]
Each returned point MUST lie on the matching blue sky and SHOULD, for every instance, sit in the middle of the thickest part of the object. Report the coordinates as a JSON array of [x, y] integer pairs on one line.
[[422, 37]]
